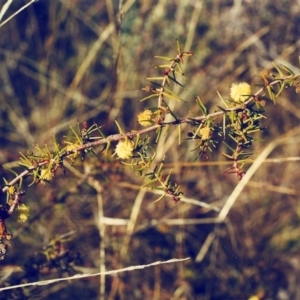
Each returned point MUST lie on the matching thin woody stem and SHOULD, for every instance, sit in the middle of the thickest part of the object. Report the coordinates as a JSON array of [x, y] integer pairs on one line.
[[166, 74]]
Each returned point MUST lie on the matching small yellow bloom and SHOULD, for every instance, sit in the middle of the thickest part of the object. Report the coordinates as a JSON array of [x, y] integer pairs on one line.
[[24, 213], [71, 147], [124, 149], [240, 92], [23, 218], [205, 133], [144, 118], [46, 174], [11, 190]]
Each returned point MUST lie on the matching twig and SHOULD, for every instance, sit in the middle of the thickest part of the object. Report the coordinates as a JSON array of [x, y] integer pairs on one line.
[[79, 276], [16, 13]]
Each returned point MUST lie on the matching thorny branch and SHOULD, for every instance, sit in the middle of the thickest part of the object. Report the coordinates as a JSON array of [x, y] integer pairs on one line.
[[132, 134]]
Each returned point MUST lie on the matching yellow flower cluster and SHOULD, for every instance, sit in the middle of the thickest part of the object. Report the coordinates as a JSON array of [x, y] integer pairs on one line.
[[24, 213], [205, 133], [145, 117], [46, 174], [240, 92], [124, 149], [71, 147], [11, 190]]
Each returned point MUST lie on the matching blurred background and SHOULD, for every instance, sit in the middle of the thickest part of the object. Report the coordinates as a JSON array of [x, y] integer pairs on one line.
[[69, 61]]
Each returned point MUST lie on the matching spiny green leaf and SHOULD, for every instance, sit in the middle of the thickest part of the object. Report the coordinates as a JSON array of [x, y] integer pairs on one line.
[[174, 79], [228, 146], [179, 67], [271, 93], [171, 96], [159, 198], [164, 57], [222, 109], [178, 47], [201, 106], [282, 86], [223, 99], [163, 66], [288, 70], [179, 134], [158, 131], [226, 155], [158, 172], [149, 97], [278, 70], [149, 182], [155, 78]]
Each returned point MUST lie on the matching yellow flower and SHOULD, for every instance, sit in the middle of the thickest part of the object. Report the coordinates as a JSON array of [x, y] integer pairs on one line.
[[23, 208], [23, 218], [205, 133], [24, 212], [46, 175], [144, 118], [11, 190], [240, 92], [124, 149], [71, 147]]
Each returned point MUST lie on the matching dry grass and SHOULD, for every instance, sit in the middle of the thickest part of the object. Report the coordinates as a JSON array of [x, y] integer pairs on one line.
[[64, 62]]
